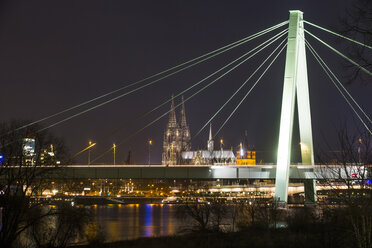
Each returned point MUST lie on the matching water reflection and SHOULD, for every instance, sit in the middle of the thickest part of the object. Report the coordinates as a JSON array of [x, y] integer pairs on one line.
[[148, 220], [131, 221]]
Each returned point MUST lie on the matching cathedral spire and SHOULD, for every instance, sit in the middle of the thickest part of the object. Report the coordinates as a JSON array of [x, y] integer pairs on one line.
[[210, 140], [183, 114], [210, 131], [185, 130], [172, 115]]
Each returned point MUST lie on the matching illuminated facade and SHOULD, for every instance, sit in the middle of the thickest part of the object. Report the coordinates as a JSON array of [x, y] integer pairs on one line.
[[249, 158], [176, 137], [209, 156], [28, 151], [177, 146], [48, 156]]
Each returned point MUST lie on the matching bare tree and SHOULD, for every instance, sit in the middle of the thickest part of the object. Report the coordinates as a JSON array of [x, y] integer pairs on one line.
[[349, 164], [21, 176], [248, 213], [357, 24], [260, 213], [234, 210], [60, 228], [350, 188], [199, 213], [219, 210], [206, 215]]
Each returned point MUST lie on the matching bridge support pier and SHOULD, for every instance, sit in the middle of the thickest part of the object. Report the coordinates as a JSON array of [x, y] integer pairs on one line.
[[310, 191], [295, 83]]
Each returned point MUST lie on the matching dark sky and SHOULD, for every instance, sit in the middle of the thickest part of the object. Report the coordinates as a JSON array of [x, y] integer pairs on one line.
[[56, 54]]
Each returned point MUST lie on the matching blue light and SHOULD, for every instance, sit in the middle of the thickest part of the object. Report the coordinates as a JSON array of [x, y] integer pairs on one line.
[[369, 181], [1, 158], [148, 228]]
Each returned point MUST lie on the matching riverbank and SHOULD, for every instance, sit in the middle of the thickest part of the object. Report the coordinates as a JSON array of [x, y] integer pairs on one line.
[[91, 200], [96, 200], [276, 238]]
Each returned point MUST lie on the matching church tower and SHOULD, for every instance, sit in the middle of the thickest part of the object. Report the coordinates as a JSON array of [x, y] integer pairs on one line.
[[210, 140], [171, 142], [176, 137], [185, 130]]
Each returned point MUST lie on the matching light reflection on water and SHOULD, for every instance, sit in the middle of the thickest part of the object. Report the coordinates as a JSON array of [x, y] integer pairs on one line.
[[121, 222]]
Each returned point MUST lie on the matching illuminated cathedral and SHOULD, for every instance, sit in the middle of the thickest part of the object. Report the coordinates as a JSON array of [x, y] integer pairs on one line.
[[177, 145], [176, 137]]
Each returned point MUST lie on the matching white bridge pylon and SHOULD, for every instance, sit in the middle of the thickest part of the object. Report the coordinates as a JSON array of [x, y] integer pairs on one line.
[[295, 83]]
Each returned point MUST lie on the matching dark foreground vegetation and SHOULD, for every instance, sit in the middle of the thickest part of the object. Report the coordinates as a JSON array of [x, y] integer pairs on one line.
[[253, 238]]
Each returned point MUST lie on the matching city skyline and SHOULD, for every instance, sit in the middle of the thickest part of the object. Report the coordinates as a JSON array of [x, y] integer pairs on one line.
[[186, 123], [57, 55]]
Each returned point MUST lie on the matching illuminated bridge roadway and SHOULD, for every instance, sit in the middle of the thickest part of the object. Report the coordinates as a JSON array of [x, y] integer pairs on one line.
[[207, 172]]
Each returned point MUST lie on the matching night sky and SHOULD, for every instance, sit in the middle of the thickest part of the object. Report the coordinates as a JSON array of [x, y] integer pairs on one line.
[[56, 54]]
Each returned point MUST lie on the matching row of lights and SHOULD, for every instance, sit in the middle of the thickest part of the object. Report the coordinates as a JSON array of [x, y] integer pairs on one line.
[[91, 144], [150, 142]]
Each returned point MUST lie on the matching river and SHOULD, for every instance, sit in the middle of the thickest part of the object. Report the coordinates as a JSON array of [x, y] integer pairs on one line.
[[122, 222]]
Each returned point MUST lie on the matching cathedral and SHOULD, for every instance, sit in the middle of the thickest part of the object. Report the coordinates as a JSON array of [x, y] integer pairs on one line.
[[177, 144], [176, 137]]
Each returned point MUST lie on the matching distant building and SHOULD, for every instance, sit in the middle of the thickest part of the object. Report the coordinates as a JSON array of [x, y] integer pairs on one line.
[[209, 156], [177, 146], [248, 158], [48, 156], [176, 137], [28, 151]]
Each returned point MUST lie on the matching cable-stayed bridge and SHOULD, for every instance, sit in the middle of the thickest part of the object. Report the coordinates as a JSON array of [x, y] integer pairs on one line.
[[305, 173], [204, 172], [292, 38]]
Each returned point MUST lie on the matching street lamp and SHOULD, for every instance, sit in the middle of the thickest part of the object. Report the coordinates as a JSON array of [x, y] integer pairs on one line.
[[90, 146], [359, 150], [221, 147], [114, 148], [150, 144]]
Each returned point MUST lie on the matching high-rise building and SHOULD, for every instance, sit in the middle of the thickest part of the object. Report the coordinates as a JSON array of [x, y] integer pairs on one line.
[[28, 151], [48, 156]]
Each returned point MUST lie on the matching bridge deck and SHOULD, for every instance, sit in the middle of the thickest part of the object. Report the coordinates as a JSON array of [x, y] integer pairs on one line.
[[201, 172]]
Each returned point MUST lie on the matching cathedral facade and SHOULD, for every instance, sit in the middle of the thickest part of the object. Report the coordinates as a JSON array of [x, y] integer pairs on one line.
[[176, 137], [177, 145]]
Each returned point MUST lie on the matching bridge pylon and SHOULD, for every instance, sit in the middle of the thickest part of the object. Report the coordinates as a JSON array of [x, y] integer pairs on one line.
[[295, 83]]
